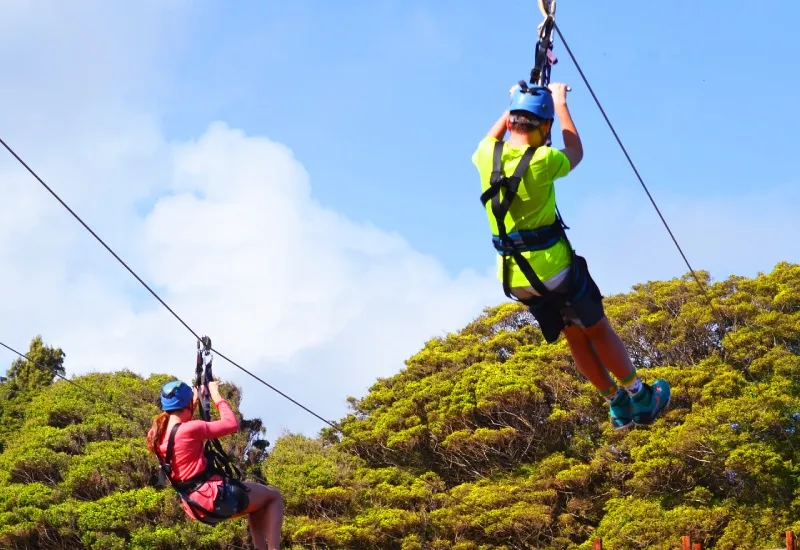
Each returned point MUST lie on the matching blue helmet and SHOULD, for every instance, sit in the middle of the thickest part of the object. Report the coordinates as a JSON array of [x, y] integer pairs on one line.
[[537, 100], [175, 396]]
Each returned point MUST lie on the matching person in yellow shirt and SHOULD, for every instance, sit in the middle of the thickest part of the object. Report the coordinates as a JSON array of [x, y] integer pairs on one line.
[[536, 262]]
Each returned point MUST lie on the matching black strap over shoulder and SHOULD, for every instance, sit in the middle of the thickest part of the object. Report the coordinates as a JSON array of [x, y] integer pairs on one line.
[[218, 463], [186, 487], [512, 245], [214, 452]]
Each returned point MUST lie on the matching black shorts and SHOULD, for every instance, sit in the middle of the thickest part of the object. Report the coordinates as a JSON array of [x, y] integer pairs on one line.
[[231, 499], [580, 303]]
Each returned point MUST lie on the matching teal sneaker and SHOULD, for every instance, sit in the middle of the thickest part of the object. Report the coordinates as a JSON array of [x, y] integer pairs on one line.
[[621, 410], [650, 402]]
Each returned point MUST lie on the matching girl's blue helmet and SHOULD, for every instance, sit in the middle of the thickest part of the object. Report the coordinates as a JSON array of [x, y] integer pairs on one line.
[[175, 395], [537, 100]]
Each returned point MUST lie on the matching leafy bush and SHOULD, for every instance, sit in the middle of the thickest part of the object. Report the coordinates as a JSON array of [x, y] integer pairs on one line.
[[487, 439]]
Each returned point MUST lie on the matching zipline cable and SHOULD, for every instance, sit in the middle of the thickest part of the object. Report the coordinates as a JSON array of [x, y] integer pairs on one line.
[[153, 292], [630, 160], [555, 26], [703, 288]]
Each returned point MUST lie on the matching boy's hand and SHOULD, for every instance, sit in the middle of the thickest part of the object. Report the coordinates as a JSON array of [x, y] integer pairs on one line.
[[559, 91]]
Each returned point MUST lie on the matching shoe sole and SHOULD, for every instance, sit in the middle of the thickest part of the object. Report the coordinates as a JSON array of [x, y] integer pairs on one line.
[[628, 425]]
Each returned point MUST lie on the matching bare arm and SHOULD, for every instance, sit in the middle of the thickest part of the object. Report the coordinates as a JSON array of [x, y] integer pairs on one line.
[[573, 148], [498, 130]]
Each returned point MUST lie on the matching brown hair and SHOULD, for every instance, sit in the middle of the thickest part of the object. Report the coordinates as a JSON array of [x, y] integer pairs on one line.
[[523, 121], [156, 433]]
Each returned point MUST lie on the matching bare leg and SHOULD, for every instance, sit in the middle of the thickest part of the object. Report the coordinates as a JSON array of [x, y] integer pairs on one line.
[[597, 350], [611, 351], [587, 360], [265, 516], [257, 522], [274, 520]]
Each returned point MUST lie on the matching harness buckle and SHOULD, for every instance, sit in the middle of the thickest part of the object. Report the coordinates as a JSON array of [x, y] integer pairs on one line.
[[541, 238]]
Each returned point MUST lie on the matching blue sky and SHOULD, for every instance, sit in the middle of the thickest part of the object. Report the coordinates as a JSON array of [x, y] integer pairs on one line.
[[295, 178], [701, 96]]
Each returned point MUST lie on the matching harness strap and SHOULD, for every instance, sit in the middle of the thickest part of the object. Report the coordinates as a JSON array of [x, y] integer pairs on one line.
[[214, 452], [171, 446], [536, 239], [202, 376], [185, 488], [217, 456], [218, 462], [512, 245]]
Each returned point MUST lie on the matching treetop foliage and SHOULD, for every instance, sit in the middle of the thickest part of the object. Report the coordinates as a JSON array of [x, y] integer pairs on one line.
[[488, 438]]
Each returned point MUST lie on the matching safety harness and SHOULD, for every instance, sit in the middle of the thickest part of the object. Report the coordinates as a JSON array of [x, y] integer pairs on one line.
[[218, 462], [513, 244]]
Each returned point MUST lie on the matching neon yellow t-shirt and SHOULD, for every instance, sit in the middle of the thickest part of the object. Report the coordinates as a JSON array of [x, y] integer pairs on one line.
[[534, 207]]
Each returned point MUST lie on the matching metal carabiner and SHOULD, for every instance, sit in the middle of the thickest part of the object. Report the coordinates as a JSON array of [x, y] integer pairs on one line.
[[203, 376], [544, 58], [547, 7]]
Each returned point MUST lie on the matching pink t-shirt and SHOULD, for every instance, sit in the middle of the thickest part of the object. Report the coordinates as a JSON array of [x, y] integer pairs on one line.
[[188, 459]]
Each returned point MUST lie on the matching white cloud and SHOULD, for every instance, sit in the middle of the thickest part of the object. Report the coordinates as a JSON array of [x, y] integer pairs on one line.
[[232, 239], [238, 247], [311, 301], [242, 248], [741, 233]]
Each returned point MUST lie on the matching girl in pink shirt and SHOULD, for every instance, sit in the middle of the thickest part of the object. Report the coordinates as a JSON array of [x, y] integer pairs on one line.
[[179, 443]]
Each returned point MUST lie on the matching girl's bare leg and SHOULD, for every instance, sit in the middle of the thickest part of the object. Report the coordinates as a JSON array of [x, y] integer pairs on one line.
[[265, 516]]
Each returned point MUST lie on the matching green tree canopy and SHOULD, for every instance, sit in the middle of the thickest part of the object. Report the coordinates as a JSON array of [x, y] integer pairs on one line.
[[44, 363], [487, 439]]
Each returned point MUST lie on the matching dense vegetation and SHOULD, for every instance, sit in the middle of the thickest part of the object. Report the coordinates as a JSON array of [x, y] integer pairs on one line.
[[487, 439]]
